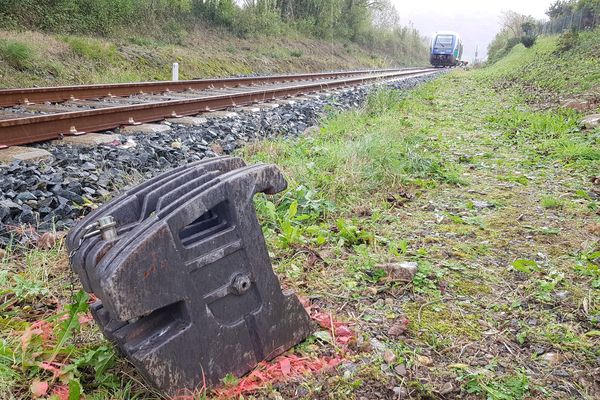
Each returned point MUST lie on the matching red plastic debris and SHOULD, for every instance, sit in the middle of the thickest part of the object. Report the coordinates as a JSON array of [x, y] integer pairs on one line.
[[39, 388], [61, 392], [85, 319], [288, 367], [53, 367], [40, 328], [340, 331], [280, 369]]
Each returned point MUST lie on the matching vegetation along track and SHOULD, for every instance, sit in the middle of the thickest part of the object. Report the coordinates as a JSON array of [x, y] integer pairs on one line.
[[92, 108]]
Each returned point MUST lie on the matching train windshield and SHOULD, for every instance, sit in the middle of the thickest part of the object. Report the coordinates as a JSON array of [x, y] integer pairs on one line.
[[443, 42]]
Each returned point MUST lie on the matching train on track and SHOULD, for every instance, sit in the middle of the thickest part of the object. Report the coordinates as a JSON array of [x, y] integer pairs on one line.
[[446, 50]]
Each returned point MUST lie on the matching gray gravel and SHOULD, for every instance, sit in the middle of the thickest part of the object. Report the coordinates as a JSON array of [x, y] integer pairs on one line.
[[51, 195]]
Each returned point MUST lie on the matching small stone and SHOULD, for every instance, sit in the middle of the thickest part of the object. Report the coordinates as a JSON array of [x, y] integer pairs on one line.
[[217, 148], [424, 360], [553, 358], [129, 144], [349, 367], [400, 393], [377, 345], [400, 369], [561, 372], [577, 105], [88, 166], [26, 196], [447, 388], [480, 204], [389, 357], [591, 121], [561, 295], [404, 271], [9, 204], [399, 327]]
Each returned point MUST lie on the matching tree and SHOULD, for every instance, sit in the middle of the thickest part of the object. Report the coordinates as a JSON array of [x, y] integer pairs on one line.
[[529, 33], [513, 21], [560, 8], [385, 16]]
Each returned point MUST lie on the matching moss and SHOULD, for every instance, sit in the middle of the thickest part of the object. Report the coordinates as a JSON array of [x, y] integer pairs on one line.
[[440, 327], [465, 287]]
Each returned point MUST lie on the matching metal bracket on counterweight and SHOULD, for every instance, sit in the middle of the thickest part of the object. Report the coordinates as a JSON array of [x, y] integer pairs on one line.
[[183, 279]]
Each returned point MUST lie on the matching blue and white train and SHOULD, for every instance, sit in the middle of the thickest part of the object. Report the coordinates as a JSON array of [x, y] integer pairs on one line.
[[446, 49]]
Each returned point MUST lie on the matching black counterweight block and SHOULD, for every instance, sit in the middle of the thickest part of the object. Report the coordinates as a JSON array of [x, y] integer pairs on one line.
[[186, 288]]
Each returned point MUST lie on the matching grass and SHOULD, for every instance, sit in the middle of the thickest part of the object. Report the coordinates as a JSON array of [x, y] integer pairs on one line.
[[18, 55], [551, 202], [92, 49], [542, 74], [39, 59], [487, 192]]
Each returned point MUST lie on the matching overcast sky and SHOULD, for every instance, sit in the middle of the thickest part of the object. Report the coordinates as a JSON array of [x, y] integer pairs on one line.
[[477, 21]]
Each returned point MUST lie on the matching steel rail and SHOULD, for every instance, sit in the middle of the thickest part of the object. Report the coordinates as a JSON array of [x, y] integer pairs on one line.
[[34, 129], [12, 97]]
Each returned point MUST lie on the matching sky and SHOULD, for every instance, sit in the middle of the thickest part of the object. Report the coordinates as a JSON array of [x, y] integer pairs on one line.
[[476, 21]]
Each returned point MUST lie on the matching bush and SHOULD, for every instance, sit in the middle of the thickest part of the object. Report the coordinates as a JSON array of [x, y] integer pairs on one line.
[[528, 41], [258, 19], [529, 34], [16, 54], [567, 41], [100, 17], [221, 12], [343, 20]]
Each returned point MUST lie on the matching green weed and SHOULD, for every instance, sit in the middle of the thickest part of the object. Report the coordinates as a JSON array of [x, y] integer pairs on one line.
[[588, 265], [382, 100], [350, 235], [486, 383], [548, 133], [427, 278], [521, 126], [525, 266], [359, 153], [551, 202]]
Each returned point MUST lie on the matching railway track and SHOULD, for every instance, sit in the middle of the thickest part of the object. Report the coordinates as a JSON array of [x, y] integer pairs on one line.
[[38, 114]]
